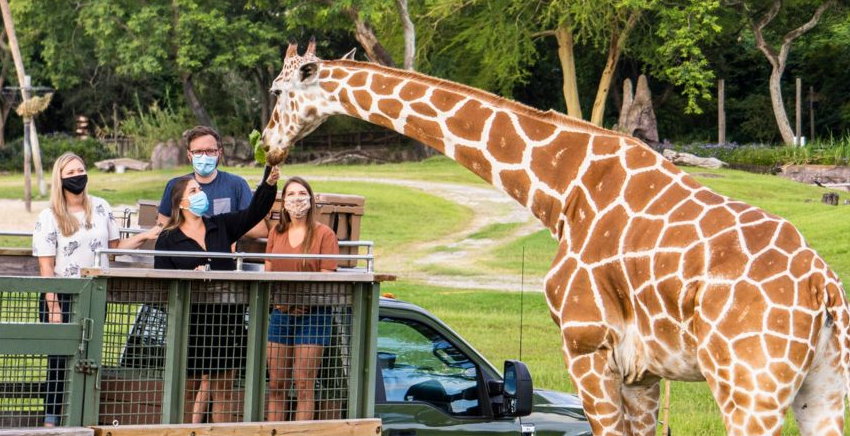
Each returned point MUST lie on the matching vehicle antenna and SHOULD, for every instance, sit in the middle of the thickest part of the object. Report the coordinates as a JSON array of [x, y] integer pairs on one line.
[[521, 299]]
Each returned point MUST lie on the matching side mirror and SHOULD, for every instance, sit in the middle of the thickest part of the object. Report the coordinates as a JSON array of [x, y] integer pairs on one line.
[[518, 389]]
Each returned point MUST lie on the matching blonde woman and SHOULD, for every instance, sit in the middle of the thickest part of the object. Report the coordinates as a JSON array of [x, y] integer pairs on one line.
[[65, 239]]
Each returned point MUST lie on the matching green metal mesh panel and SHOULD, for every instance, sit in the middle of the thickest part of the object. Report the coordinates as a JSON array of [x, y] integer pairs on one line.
[[29, 307], [217, 351], [133, 352], [33, 387], [309, 351]]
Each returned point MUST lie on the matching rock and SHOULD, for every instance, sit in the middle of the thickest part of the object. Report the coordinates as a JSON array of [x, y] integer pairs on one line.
[[692, 160], [121, 164], [237, 152], [637, 117], [166, 155], [825, 175]]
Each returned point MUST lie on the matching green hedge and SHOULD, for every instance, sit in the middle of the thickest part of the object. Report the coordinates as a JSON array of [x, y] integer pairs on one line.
[[52, 146], [829, 151]]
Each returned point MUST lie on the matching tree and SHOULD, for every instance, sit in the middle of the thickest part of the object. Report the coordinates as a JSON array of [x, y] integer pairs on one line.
[[348, 15], [184, 39], [758, 15], [501, 35]]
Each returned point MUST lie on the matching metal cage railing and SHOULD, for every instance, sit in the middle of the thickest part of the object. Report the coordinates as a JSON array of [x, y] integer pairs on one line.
[[144, 346]]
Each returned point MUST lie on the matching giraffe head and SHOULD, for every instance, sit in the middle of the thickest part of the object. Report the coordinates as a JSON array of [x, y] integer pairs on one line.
[[301, 105]]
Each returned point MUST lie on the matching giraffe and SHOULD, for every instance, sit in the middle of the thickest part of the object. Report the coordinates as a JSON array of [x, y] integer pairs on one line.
[[655, 276]]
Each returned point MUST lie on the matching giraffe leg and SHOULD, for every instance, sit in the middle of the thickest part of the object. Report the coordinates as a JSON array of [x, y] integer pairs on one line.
[[640, 402], [819, 404], [600, 392]]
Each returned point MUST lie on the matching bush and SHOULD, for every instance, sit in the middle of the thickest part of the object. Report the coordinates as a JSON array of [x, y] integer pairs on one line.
[[149, 127], [52, 146], [828, 151]]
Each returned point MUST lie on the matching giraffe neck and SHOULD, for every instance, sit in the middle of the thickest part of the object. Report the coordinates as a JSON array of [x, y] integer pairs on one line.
[[532, 156]]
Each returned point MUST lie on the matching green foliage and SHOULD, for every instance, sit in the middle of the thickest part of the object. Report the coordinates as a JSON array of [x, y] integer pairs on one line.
[[148, 127], [52, 146], [257, 145], [684, 31], [828, 151]]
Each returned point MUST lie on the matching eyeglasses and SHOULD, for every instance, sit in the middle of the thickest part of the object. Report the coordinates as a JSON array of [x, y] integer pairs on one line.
[[208, 152]]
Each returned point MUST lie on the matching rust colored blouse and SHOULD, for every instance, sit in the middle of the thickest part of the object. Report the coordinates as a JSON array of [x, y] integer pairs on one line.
[[324, 242]]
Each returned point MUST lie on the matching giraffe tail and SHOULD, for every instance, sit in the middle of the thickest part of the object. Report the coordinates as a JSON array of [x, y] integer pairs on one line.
[[839, 314]]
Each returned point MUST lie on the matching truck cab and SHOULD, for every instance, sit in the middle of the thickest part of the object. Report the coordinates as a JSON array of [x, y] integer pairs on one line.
[[430, 381]]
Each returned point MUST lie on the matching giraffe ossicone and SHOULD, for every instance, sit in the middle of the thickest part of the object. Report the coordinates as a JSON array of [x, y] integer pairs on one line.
[[655, 275]]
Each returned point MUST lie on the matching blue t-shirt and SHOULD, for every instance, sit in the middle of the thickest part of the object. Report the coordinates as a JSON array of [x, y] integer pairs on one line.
[[227, 193]]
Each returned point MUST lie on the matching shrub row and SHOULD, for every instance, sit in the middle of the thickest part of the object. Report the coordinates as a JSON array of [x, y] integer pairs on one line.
[[829, 151], [52, 146]]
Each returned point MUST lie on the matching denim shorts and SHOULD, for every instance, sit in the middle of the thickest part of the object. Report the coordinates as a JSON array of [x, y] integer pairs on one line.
[[311, 328]]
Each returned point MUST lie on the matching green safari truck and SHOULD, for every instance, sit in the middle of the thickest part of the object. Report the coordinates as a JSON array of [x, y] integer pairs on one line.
[[432, 382]]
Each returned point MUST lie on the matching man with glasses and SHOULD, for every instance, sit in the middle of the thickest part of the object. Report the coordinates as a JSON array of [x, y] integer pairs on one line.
[[226, 192]]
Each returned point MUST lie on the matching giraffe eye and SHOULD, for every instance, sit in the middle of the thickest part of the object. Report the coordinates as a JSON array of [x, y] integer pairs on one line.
[[275, 92]]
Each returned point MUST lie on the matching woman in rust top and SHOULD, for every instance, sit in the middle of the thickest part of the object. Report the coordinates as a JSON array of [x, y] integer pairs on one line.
[[298, 334]]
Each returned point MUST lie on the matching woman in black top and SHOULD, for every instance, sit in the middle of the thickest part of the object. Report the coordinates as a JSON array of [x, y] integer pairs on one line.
[[216, 330]]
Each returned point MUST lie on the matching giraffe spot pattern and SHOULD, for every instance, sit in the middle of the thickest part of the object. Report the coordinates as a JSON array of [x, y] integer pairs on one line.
[[384, 85], [604, 180], [468, 122], [358, 79], [605, 145], [412, 91], [503, 138], [643, 187], [363, 99], [390, 108], [445, 101], [474, 160], [516, 183], [606, 235], [580, 213], [535, 129], [556, 164], [423, 109], [425, 131], [638, 157]]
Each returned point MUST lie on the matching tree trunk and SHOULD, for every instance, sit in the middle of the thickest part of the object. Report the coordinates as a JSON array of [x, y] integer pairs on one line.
[[777, 60], [366, 37], [778, 105], [598, 113], [194, 103], [568, 69], [409, 35], [262, 81], [618, 41]]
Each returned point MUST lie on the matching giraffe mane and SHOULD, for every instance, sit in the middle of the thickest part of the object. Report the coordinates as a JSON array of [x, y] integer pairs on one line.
[[485, 96]]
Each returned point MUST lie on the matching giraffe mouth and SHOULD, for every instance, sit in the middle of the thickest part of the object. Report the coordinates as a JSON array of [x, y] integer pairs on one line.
[[276, 156]]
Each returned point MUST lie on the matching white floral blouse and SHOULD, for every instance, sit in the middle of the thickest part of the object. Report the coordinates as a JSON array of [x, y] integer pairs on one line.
[[77, 250]]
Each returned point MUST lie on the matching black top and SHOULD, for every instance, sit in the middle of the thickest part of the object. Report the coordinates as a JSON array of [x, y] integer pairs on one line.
[[222, 231]]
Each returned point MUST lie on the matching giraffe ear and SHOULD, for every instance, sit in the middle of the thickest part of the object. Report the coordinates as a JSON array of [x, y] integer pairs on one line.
[[309, 72], [311, 47], [350, 55], [292, 50]]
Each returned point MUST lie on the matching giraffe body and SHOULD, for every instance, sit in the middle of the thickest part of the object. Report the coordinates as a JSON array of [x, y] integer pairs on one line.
[[655, 276]]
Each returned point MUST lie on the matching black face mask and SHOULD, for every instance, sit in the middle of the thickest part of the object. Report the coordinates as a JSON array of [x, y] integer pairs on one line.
[[76, 184]]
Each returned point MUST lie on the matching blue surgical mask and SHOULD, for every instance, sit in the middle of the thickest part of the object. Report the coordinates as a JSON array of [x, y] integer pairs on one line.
[[204, 165], [198, 203]]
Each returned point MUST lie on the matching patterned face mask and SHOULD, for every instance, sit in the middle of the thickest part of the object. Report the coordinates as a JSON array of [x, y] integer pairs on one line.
[[297, 206]]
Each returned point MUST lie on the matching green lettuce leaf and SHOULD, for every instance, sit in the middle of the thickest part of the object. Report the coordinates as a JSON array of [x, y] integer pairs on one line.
[[257, 144]]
